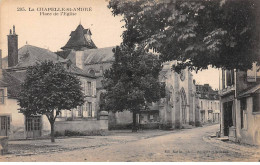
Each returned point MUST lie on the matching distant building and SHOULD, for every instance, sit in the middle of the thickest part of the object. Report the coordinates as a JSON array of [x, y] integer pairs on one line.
[[240, 108], [208, 103], [81, 119]]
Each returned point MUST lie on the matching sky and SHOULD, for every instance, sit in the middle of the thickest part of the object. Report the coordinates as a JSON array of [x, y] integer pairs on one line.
[[52, 32]]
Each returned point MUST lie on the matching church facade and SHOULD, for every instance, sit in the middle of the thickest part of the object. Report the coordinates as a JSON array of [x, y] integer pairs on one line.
[[179, 109]]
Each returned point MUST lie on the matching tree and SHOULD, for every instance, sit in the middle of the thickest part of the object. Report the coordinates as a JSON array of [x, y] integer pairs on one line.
[[132, 81], [48, 88], [220, 33]]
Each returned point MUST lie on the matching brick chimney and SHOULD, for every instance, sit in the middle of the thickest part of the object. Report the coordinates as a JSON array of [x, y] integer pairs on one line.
[[12, 48]]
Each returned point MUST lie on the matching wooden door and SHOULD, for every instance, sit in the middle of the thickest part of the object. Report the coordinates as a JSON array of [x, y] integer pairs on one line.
[[5, 125], [33, 126]]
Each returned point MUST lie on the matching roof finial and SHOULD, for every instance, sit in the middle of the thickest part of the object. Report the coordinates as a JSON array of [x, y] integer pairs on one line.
[[80, 21], [26, 43]]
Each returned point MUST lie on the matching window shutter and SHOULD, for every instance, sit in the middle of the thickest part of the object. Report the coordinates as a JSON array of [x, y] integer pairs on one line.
[[93, 88], [86, 88], [93, 109]]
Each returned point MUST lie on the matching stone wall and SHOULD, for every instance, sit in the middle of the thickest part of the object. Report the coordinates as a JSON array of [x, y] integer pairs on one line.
[[250, 134], [3, 145], [84, 127]]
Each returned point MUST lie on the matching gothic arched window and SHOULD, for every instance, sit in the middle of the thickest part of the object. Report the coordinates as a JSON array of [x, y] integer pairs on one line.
[[183, 104]]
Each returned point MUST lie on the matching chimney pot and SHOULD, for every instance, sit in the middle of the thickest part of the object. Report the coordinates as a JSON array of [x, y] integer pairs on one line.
[[13, 29], [12, 48]]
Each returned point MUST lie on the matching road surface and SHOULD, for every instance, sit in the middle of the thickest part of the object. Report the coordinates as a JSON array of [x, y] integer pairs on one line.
[[182, 145]]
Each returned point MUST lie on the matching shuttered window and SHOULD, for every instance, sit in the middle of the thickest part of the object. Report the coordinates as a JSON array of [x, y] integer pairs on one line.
[[2, 96]]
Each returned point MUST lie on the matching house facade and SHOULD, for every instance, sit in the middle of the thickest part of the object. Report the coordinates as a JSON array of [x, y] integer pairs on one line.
[[240, 110], [209, 104], [82, 119]]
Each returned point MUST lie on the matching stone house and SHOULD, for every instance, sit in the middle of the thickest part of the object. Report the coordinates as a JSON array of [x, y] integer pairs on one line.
[[240, 110], [208, 103], [82, 119]]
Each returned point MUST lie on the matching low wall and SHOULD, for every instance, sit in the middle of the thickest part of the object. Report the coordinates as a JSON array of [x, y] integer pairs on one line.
[[3, 145], [81, 127]]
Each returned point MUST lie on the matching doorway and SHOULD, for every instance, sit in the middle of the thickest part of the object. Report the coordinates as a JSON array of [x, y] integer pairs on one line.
[[33, 126], [5, 125], [228, 120]]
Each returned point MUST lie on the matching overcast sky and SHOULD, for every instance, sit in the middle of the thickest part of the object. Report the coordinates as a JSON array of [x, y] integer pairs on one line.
[[52, 32]]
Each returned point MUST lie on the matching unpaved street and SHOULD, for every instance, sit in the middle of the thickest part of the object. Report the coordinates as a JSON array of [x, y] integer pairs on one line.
[[182, 145]]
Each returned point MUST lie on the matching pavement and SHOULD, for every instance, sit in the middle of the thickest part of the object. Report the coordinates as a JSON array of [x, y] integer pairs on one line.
[[124, 146]]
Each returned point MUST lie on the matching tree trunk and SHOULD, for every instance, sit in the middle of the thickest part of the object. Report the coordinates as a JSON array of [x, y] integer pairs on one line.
[[52, 132], [134, 128]]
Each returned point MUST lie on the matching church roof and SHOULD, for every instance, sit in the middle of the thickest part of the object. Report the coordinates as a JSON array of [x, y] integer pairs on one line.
[[79, 40], [101, 55]]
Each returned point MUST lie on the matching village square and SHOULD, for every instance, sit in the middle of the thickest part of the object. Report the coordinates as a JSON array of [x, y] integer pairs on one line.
[[141, 99]]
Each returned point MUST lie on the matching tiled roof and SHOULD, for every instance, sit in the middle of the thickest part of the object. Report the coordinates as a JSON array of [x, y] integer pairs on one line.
[[3, 84], [101, 55], [29, 55], [78, 40], [250, 91], [13, 84], [76, 70], [64, 53]]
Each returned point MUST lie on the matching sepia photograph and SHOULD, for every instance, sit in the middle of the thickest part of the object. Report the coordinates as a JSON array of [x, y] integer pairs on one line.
[[129, 81]]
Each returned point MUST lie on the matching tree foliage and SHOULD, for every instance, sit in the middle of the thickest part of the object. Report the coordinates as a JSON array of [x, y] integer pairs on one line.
[[220, 33], [48, 88], [132, 81]]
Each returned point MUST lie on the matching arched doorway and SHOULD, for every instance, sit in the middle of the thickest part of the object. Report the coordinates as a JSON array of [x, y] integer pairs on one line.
[[183, 105]]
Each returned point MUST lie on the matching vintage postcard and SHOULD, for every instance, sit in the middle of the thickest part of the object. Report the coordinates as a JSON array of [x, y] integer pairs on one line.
[[129, 81]]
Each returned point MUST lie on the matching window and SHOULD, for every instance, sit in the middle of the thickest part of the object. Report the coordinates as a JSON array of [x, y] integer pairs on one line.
[[256, 103], [33, 123], [201, 104], [80, 111], [230, 77], [89, 109], [2, 96], [89, 89], [5, 122], [92, 72]]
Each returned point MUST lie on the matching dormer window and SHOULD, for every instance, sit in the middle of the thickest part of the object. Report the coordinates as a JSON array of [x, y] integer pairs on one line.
[[91, 72]]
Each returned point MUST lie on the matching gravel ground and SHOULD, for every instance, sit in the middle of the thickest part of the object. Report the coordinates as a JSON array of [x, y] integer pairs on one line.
[[156, 145]]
